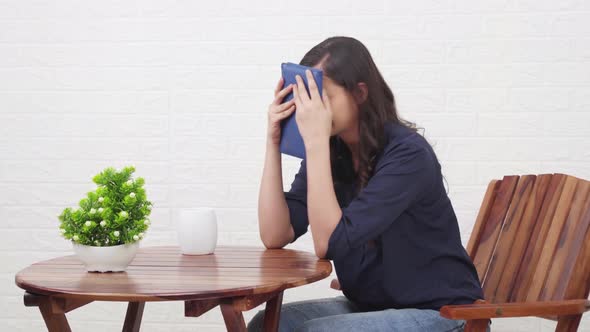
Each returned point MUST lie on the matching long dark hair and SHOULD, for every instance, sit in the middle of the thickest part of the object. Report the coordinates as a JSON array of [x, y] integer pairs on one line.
[[348, 62]]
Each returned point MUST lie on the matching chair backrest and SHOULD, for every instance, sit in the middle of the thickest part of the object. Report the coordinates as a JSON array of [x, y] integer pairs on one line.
[[531, 239]]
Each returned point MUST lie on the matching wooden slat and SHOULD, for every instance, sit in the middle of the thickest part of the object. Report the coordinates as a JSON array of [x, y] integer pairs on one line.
[[578, 285], [522, 238], [178, 271], [503, 257], [551, 241], [567, 243], [482, 217], [221, 257], [528, 264], [493, 225]]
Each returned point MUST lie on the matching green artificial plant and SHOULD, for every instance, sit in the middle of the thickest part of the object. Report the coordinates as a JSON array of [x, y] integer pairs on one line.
[[115, 213]]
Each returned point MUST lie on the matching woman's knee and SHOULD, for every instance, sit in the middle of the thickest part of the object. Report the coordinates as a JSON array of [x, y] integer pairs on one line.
[[256, 324], [294, 314], [289, 319]]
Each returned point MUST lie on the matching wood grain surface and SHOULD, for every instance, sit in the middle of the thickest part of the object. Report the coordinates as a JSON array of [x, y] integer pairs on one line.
[[163, 273]]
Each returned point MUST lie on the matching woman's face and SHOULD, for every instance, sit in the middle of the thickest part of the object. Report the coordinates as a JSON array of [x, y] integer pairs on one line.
[[344, 107]]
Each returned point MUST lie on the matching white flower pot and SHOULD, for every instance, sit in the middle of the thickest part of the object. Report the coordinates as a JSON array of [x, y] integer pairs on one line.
[[197, 231], [106, 259]]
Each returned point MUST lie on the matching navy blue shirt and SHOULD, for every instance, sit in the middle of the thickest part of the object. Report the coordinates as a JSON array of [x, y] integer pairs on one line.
[[397, 244]]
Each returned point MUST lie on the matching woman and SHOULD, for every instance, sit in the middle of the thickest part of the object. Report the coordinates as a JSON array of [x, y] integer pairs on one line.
[[372, 194]]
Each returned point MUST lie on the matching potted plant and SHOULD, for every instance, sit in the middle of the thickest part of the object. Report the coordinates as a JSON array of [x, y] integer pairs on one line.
[[109, 223]]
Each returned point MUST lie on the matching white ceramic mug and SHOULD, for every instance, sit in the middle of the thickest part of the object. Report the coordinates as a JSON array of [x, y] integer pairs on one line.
[[197, 230]]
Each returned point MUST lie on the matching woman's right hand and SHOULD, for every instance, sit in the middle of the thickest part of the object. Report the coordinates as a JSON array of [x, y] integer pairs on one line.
[[277, 112]]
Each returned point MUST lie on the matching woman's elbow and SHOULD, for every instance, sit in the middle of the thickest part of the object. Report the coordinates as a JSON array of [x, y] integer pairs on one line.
[[276, 241], [320, 251], [273, 244]]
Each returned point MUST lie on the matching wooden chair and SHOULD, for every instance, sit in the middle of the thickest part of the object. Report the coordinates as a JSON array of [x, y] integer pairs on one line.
[[531, 248]]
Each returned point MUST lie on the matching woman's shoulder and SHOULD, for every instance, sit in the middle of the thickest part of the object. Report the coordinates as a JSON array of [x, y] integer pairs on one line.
[[402, 142], [398, 135]]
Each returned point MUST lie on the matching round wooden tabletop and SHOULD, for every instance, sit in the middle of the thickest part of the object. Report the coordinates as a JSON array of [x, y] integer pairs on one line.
[[164, 274]]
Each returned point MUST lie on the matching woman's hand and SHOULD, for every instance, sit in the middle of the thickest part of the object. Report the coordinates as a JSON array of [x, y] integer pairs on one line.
[[314, 114], [277, 112]]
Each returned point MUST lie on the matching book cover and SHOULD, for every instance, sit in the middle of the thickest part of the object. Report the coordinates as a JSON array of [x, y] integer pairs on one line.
[[291, 140]]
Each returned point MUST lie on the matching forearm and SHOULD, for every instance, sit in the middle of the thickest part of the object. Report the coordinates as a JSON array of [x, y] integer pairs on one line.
[[273, 213], [323, 209]]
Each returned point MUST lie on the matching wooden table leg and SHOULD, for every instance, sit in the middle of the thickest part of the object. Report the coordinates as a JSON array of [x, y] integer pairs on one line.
[[232, 309], [234, 320], [55, 320], [272, 313], [568, 323], [133, 316], [477, 325]]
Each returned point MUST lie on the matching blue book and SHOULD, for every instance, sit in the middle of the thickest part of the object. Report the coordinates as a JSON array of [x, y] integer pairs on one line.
[[291, 140]]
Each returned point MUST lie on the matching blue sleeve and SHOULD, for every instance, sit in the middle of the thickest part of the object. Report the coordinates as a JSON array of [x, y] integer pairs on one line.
[[296, 199], [403, 174]]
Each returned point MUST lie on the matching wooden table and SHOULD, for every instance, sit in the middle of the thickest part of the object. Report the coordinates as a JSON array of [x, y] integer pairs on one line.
[[235, 278]]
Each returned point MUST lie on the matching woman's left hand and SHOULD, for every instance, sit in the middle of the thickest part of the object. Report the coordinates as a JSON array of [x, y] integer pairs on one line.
[[313, 114]]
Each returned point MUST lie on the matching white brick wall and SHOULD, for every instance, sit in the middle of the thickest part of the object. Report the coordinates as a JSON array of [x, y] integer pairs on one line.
[[180, 89]]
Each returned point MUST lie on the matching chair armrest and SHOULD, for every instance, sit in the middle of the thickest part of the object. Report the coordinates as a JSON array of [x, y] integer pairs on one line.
[[335, 284], [517, 309]]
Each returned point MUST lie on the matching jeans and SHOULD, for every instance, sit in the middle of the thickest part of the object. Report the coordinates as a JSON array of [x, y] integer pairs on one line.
[[339, 314]]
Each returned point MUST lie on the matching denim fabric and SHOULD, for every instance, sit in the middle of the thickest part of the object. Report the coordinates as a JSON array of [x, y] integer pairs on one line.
[[339, 314]]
